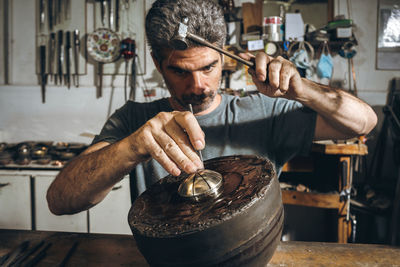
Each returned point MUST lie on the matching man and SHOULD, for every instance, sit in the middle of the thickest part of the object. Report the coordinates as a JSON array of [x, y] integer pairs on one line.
[[150, 140]]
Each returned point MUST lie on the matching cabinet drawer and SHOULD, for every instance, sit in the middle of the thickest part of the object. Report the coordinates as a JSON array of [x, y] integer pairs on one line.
[[15, 202], [111, 215], [45, 220]]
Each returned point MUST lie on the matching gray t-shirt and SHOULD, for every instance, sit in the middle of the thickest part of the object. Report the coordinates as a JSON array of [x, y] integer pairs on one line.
[[274, 128]]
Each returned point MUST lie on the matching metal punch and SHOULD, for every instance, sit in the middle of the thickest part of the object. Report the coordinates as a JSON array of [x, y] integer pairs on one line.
[[203, 184]]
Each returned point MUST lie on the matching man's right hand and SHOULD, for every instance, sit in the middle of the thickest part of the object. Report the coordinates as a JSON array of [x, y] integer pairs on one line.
[[170, 138]]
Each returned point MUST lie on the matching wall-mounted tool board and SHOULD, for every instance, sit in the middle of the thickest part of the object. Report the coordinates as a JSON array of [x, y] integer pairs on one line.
[[53, 16], [85, 16], [131, 25]]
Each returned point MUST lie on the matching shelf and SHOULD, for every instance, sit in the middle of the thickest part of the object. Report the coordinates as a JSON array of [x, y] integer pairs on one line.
[[340, 149], [316, 200]]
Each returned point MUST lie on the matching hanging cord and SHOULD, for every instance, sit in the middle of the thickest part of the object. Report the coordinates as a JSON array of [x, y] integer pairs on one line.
[[325, 48], [354, 77], [302, 45], [349, 11], [350, 61], [126, 82], [133, 79]]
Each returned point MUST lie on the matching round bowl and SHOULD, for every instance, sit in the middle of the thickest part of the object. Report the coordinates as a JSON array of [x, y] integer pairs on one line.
[[241, 227]]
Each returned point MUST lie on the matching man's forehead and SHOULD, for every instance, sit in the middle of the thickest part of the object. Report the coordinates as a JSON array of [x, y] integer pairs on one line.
[[196, 55]]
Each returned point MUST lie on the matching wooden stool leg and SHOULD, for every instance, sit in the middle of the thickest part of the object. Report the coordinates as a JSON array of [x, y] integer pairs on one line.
[[344, 183], [344, 226]]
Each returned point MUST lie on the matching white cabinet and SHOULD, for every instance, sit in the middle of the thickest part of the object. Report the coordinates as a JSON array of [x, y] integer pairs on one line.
[[47, 221], [111, 215], [23, 205], [15, 201]]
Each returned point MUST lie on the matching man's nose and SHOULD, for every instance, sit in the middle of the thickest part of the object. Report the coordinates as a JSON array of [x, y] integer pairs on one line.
[[198, 82]]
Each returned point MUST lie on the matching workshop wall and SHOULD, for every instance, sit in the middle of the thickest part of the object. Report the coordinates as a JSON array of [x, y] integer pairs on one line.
[[70, 115], [75, 114], [373, 84]]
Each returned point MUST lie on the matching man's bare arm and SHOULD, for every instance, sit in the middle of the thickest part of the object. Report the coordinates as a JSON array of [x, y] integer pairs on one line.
[[88, 178], [340, 114], [168, 138]]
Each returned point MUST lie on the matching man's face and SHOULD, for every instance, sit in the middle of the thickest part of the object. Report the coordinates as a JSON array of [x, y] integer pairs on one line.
[[192, 76]]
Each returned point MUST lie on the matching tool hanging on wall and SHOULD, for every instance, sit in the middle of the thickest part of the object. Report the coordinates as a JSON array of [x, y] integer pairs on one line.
[[77, 44], [42, 69], [41, 54], [57, 42], [59, 8], [67, 9], [117, 15], [42, 15], [103, 45], [50, 6], [130, 44], [60, 57], [128, 47], [67, 76], [51, 55], [58, 11], [132, 92], [105, 12]]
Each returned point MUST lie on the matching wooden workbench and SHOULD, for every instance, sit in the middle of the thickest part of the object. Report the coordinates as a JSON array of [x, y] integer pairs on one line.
[[121, 250]]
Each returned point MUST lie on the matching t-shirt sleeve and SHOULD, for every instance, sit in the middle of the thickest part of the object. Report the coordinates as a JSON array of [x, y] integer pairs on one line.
[[292, 130], [116, 127]]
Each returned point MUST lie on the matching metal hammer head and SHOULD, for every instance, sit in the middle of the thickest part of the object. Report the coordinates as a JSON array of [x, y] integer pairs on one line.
[[178, 41]]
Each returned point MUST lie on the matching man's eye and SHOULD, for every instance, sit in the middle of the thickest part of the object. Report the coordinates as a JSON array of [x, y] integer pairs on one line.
[[179, 72], [208, 68]]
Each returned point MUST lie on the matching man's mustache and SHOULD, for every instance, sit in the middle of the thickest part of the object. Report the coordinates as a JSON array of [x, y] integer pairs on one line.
[[197, 99]]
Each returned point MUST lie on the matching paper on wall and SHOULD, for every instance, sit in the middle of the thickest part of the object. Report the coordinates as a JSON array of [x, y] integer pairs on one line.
[[294, 27], [238, 3], [255, 45]]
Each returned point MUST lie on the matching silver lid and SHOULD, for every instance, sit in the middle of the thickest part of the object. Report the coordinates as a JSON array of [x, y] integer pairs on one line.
[[201, 185]]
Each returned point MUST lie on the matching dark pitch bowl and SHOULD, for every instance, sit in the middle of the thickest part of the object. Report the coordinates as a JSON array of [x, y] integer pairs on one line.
[[242, 227]]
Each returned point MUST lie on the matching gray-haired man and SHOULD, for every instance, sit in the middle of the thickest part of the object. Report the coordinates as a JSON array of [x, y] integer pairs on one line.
[[150, 140]]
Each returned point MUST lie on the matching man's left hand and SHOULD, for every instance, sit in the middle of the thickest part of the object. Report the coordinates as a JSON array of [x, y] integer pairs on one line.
[[283, 78]]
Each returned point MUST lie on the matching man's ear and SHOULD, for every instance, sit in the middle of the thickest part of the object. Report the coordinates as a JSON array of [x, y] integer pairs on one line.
[[156, 62]]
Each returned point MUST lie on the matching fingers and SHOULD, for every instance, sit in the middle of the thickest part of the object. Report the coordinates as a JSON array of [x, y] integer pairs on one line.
[[280, 72], [246, 56], [168, 138], [188, 122], [262, 61], [283, 76], [175, 149], [183, 152], [157, 152], [274, 73]]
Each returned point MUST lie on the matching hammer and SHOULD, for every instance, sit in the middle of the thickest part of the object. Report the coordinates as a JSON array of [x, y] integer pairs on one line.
[[178, 42]]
